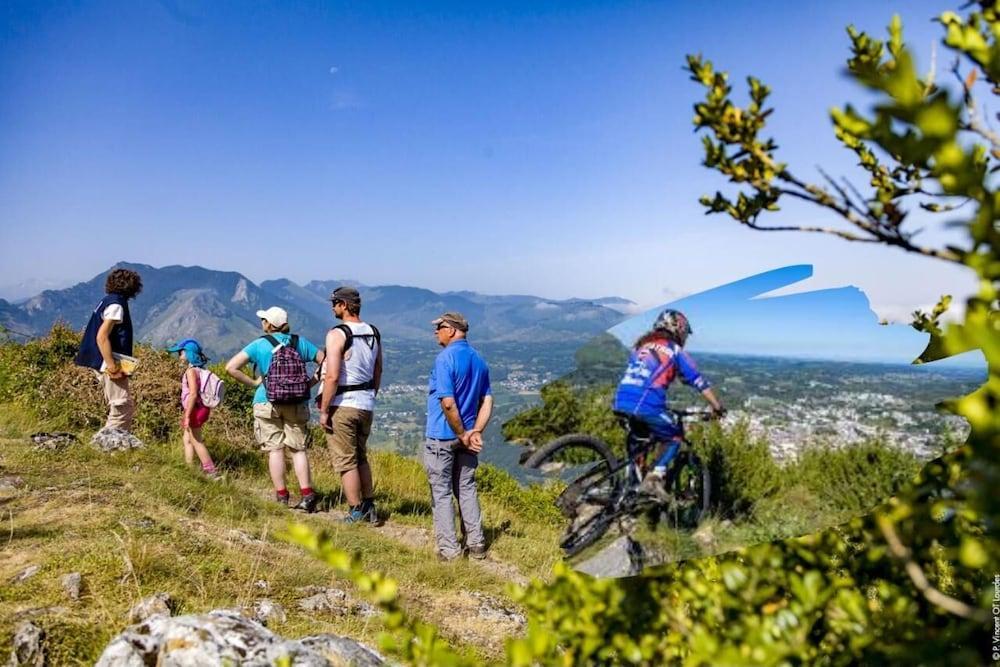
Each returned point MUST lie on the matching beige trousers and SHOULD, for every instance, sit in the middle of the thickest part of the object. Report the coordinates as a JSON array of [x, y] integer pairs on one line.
[[121, 408]]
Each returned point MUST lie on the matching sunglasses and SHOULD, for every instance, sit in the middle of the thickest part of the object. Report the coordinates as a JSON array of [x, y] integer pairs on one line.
[[442, 326]]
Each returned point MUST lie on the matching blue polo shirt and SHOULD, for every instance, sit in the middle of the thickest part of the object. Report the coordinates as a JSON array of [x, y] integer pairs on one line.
[[461, 373], [260, 353]]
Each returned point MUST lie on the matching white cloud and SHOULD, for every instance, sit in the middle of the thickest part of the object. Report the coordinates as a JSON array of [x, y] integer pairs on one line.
[[334, 69], [895, 313]]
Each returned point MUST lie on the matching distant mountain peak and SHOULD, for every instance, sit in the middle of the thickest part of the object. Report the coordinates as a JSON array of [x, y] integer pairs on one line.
[[242, 293], [219, 308]]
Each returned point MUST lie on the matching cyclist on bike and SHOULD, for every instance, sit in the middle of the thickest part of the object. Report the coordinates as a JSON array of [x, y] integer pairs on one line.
[[656, 360]]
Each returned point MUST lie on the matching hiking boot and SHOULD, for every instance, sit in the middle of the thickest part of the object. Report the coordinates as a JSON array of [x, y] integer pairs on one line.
[[307, 503], [653, 486], [479, 553], [448, 559], [282, 499], [214, 476], [369, 510], [354, 515]]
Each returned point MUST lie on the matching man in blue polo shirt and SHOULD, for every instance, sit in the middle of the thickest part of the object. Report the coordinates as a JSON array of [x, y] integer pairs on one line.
[[459, 405]]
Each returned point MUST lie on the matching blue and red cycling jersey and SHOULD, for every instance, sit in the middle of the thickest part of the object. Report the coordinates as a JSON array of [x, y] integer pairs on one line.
[[642, 391]]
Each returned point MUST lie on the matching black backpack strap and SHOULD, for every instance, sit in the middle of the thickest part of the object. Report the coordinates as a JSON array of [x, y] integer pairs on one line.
[[355, 387], [294, 342], [348, 334], [272, 340], [378, 336]]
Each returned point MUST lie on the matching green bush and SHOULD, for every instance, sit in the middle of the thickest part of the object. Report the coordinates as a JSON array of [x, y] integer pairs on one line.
[[39, 376], [855, 477], [742, 469], [535, 502]]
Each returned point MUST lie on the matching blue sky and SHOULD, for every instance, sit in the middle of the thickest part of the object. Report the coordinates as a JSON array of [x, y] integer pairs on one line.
[[537, 147]]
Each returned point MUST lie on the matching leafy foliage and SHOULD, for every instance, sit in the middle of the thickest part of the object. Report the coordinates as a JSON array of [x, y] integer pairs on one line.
[[908, 583]]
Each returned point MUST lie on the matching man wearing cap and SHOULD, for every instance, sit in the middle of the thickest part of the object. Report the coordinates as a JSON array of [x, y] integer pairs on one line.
[[351, 378], [278, 427], [459, 405]]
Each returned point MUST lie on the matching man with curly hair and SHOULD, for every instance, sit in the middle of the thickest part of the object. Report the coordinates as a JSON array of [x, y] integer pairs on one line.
[[109, 332]]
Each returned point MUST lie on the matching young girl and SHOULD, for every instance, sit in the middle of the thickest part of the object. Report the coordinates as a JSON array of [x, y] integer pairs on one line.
[[195, 414]]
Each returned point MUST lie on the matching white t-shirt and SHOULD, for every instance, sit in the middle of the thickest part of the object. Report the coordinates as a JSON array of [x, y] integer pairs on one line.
[[357, 367], [114, 312]]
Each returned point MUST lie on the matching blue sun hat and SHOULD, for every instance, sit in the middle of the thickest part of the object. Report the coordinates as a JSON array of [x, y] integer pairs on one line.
[[192, 351]]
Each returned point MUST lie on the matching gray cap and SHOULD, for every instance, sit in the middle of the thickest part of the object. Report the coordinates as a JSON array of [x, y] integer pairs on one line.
[[345, 293], [454, 319]]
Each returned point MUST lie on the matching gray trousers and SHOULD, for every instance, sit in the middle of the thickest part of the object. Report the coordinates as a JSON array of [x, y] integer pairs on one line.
[[451, 471]]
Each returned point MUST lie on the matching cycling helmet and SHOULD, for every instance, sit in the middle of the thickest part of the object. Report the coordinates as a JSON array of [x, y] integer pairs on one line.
[[674, 323]]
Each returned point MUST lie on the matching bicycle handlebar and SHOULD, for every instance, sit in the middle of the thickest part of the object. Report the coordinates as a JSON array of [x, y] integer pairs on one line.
[[700, 414]]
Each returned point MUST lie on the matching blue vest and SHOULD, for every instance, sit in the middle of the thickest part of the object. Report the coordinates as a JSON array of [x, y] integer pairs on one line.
[[121, 334]]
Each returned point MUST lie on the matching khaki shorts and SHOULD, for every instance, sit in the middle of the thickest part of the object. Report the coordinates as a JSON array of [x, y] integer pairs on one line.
[[279, 426], [347, 443]]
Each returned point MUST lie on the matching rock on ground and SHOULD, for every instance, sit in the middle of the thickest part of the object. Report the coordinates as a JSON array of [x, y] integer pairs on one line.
[[226, 637], [26, 573], [334, 601], [52, 442], [158, 604], [115, 440], [28, 646], [265, 611], [494, 609], [72, 584], [622, 558], [10, 484]]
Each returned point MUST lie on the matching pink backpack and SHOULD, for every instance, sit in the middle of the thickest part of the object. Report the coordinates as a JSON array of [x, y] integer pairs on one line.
[[211, 389]]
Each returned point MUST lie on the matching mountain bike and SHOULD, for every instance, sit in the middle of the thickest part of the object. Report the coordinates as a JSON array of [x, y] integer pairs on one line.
[[608, 490]]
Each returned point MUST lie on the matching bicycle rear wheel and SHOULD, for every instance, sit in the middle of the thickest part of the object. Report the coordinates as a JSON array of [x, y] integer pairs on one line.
[[574, 448]]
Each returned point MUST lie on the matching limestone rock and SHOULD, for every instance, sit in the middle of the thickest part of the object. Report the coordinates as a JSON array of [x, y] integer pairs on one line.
[[226, 637], [72, 584], [26, 573], [52, 442], [158, 604], [10, 484], [622, 558], [492, 609], [115, 440], [28, 646], [265, 611], [343, 651], [320, 599], [705, 537]]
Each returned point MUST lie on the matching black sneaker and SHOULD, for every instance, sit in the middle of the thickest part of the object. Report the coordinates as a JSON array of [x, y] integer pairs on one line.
[[478, 553], [282, 499], [307, 503]]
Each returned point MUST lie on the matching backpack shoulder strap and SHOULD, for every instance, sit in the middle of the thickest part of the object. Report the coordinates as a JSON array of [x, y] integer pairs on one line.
[[294, 342], [378, 336], [272, 340], [348, 334]]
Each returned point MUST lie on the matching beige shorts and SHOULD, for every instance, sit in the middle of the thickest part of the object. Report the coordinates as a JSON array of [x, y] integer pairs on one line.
[[348, 442], [279, 426]]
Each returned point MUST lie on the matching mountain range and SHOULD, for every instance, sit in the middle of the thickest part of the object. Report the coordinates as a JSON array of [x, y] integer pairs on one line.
[[219, 308]]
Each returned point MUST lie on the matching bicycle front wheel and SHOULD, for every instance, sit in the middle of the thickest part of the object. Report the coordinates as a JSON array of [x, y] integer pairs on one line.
[[692, 490]]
